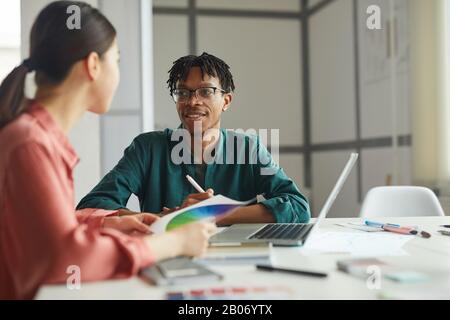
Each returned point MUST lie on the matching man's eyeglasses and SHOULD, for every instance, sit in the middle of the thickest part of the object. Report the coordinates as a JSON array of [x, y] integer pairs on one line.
[[204, 93]]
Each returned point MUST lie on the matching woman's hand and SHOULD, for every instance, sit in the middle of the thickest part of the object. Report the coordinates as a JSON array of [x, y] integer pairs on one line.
[[194, 237], [189, 240], [138, 222]]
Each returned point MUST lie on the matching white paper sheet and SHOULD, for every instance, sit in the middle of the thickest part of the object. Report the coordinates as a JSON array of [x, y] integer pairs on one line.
[[360, 226], [371, 244]]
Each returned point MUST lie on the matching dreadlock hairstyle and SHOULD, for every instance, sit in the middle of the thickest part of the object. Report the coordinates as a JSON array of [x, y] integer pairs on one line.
[[209, 64]]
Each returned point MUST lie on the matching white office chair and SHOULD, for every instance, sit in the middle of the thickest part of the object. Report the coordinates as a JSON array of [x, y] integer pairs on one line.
[[401, 201]]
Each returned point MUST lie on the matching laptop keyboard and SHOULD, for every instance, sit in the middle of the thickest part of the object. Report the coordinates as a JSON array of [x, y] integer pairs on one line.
[[282, 231]]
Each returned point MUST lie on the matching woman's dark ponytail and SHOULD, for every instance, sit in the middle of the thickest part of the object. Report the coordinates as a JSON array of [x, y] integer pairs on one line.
[[54, 49], [12, 97]]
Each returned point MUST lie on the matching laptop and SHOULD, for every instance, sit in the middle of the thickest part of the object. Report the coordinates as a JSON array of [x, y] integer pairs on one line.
[[281, 234]]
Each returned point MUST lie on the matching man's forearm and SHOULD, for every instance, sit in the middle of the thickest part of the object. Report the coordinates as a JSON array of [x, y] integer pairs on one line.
[[252, 214]]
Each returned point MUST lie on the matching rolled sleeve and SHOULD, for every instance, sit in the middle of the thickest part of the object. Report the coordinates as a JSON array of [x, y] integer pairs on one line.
[[285, 212], [94, 217], [284, 199], [125, 179]]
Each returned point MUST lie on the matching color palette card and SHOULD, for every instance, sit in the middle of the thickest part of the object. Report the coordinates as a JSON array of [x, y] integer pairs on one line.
[[233, 293], [210, 209]]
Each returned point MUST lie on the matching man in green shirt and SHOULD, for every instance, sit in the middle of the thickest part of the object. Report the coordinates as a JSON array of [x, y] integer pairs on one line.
[[236, 165]]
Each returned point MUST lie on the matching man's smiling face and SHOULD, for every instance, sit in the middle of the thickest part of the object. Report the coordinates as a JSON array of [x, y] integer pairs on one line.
[[200, 108]]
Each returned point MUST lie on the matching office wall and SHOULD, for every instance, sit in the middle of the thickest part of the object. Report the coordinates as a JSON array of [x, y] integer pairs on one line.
[[430, 52], [10, 58], [132, 109], [311, 69], [9, 36]]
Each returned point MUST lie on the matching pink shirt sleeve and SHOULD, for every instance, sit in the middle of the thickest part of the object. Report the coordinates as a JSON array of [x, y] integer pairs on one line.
[[94, 217], [46, 236]]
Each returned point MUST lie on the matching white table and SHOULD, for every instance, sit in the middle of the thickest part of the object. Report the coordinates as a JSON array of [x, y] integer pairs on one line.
[[431, 256]]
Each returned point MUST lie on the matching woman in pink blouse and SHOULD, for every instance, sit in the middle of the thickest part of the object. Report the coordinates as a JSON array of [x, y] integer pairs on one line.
[[41, 235]]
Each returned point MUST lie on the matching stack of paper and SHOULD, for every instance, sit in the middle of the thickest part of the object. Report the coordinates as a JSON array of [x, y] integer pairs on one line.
[[223, 255]]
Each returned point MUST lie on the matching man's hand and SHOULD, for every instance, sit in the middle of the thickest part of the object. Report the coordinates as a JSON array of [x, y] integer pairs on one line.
[[190, 200], [168, 210], [197, 197]]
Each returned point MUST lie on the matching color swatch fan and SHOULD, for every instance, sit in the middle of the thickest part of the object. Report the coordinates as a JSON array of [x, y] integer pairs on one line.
[[211, 209], [196, 214]]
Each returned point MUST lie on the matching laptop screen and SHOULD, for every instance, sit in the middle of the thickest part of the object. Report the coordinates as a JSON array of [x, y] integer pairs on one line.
[[334, 193]]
